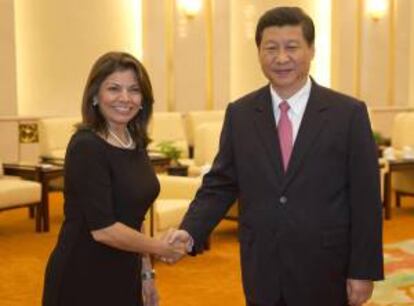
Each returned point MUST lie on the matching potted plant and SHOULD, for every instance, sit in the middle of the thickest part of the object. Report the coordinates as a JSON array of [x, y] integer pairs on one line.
[[171, 151], [381, 142]]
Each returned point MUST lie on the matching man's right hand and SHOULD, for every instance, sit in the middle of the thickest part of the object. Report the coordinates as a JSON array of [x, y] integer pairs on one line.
[[179, 239]]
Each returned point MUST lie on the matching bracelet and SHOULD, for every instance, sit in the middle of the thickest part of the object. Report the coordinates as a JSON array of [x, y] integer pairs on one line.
[[147, 275]]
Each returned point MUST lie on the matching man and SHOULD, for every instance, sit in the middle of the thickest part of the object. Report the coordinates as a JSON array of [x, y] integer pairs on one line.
[[302, 162]]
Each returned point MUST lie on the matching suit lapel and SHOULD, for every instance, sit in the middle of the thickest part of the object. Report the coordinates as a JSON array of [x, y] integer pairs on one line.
[[312, 122], [266, 128]]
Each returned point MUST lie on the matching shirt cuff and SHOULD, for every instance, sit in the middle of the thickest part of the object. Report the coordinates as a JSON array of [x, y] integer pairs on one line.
[[190, 244]]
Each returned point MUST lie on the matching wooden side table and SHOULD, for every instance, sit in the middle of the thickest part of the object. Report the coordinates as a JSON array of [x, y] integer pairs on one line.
[[42, 174], [159, 161], [398, 165]]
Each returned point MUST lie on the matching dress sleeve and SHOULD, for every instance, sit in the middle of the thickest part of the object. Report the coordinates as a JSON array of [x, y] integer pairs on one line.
[[88, 181]]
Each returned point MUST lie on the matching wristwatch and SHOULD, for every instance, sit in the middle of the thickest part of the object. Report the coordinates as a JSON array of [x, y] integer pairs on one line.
[[149, 274]]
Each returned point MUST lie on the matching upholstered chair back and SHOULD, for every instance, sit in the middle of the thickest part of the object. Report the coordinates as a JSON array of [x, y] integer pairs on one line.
[[168, 126], [173, 201], [403, 135], [194, 119], [54, 135], [402, 130], [1, 168], [206, 143], [16, 193]]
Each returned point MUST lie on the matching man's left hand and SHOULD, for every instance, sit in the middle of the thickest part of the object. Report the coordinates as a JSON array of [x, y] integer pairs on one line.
[[359, 291]]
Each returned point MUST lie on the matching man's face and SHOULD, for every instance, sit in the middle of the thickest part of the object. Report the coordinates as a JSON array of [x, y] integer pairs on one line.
[[285, 58]]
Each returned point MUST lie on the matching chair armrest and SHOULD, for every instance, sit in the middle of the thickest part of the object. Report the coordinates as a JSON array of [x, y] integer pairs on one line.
[[178, 187]]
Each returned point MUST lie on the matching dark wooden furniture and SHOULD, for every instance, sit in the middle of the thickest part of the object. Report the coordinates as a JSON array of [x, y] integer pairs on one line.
[[158, 161], [40, 173], [399, 165]]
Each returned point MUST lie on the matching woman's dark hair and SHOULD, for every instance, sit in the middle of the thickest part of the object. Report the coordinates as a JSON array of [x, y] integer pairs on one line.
[[285, 15], [107, 64]]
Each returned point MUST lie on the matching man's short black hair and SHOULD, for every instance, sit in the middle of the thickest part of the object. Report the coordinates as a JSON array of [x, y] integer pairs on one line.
[[286, 15]]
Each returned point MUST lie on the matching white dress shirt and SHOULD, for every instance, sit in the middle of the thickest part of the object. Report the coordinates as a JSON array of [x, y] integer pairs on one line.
[[297, 104]]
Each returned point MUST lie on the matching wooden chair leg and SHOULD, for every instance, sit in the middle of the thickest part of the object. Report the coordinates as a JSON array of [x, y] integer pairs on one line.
[[398, 199], [31, 212], [38, 217]]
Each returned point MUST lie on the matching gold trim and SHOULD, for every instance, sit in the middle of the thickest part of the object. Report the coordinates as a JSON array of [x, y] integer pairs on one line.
[[28, 133], [209, 54], [391, 54], [334, 79], [335, 47], [144, 27], [358, 50], [169, 55]]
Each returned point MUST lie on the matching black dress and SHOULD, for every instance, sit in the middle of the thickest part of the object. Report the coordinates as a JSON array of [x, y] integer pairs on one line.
[[103, 185]]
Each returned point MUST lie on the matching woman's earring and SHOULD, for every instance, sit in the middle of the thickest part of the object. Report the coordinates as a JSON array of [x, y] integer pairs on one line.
[[95, 101]]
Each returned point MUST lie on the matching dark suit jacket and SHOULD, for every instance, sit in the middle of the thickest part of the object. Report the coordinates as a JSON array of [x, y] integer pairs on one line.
[[303, 232]]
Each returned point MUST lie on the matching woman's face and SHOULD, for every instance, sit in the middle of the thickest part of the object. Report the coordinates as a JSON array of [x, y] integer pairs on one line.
[[119, 98]]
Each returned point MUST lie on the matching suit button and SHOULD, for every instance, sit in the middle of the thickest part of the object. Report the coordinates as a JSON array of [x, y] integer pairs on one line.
[[283, 200]]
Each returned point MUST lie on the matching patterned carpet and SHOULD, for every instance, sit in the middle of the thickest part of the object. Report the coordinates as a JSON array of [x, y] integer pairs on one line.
[[398, 288]]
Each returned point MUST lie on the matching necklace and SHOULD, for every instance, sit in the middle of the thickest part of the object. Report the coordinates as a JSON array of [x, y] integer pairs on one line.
[[124, 145]]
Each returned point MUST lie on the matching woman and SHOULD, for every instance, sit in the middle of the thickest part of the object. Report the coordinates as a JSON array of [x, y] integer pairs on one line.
[[109, 186]]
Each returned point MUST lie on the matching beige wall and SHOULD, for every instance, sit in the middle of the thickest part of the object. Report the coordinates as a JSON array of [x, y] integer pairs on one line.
[[8, 89], [345, 49], [375, 60], [410, 76], [221, 60], [176, 55], [401, 78], [58, 41], [190, 61], [46, 56], [9, 146], [154, 46], [372, 59]]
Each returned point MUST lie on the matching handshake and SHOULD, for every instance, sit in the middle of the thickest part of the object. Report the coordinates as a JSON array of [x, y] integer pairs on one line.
[[174, 246]]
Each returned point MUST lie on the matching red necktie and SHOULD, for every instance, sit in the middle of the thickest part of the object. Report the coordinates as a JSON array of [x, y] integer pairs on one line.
[[285, 133]]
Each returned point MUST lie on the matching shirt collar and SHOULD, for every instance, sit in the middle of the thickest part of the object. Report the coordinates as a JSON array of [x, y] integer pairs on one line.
[[297, 102]]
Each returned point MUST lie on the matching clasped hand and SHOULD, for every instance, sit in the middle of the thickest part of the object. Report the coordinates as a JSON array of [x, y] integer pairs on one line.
[[177, 243]]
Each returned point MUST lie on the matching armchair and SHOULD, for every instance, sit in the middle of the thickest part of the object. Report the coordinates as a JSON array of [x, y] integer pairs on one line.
[[173, 201], [194, 119], [54, 136], [402, 182], [206, 144], [168, 126], [16, 193]]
